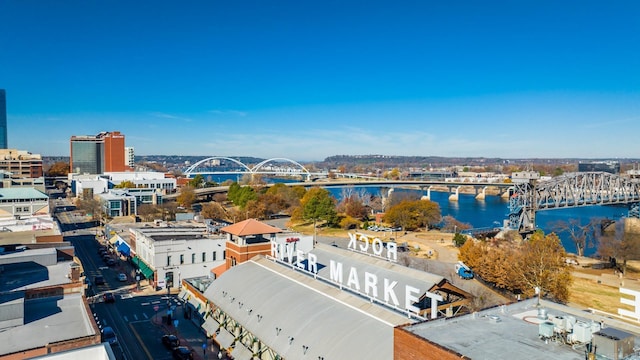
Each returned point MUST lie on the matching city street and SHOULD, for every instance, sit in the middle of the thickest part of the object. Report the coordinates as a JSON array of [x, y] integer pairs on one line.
[[136, 315]]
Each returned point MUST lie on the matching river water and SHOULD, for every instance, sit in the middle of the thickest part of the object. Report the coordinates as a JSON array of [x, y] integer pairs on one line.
[[492, 212]]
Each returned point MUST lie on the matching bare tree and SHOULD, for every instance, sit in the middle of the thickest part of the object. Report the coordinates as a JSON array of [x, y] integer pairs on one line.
[[582, 235], [616, 244]]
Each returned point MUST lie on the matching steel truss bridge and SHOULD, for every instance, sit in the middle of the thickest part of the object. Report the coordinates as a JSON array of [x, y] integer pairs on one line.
[[267, 167], [568, 191]]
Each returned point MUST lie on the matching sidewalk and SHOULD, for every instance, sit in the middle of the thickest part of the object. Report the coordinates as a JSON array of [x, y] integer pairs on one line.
[[190, 335]]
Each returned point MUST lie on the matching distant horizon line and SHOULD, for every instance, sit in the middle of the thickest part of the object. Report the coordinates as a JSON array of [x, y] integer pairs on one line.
[[392, 156]]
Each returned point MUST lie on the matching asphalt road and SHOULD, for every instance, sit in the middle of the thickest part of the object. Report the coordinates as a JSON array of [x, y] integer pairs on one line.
[[129, 316]]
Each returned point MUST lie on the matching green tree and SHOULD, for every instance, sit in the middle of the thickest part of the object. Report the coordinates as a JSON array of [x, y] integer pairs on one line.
[[197, 181], [241, 195], [318, 204], [459, 239]]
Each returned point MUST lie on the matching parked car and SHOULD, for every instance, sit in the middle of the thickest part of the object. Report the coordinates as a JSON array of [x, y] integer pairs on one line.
[[111, 262], [182, 353], [98, 280], [122, 277], [108, 335], [108, 297], [170, 341]]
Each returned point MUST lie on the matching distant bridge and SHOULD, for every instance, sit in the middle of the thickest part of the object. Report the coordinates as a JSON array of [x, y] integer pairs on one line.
[[568, 191], [266, 167], [424, 185]]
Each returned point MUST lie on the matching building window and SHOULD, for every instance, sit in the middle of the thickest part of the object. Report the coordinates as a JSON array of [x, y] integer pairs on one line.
[[224, 252], [204, 257], [181, 259], [193, 258], [168, 260], [214, 256]]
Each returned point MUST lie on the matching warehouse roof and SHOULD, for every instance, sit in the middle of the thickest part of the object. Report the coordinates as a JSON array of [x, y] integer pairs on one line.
[[381, 268], [323, 321], [509, 332], [21, 194], [46, 321]]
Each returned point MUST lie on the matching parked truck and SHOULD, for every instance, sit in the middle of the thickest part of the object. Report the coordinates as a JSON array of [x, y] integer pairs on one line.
[[464, 271]]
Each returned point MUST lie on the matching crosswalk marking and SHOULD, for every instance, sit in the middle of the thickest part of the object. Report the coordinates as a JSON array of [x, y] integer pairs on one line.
[[125, 318]]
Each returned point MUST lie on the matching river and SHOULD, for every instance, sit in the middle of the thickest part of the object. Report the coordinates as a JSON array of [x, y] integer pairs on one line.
[[492, 212]]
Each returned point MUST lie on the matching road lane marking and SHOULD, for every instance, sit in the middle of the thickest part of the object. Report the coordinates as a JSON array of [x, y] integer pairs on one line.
[[135, 316], [135, 333], [145, 315], [125, 318]]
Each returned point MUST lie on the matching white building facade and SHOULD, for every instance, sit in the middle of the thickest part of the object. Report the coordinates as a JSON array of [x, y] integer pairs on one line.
[[176, 252]]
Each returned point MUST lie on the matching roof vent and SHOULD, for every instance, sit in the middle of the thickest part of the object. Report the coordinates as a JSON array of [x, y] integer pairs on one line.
[[494, 319]]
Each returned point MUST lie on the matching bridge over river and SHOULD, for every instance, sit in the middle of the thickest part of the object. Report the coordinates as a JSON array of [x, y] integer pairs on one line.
[[526, 195]]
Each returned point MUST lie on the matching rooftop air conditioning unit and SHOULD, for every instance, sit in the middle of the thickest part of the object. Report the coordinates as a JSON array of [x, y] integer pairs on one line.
[[581, 333], [545, 329]]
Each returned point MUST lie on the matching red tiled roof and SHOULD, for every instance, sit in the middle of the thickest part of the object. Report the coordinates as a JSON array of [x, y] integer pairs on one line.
[[219, 270], [250, 227]]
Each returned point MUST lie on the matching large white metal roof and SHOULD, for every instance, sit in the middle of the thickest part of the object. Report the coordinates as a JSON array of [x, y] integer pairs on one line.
[[382, 268], [315, 319]]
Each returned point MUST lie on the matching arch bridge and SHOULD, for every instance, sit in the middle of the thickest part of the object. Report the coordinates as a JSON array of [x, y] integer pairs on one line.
[[568, 191], [293, 169]]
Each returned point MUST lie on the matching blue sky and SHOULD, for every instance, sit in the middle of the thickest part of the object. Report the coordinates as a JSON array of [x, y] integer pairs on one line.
[[310, 79]]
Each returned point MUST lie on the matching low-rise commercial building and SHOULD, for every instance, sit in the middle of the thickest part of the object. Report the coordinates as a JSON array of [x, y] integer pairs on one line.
[[23, 202], [21, 163], [34, 282], [522, 330], [167, 253]]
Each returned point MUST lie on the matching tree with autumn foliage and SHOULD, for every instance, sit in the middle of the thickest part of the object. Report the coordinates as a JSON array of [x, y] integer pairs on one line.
[[59, 168], [522, 267], [213, 210], [540, 264], [126, 184], [411, 215], [187, 196]]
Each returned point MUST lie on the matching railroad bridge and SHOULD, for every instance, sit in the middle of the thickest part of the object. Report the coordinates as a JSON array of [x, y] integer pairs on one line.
[[568, 191]]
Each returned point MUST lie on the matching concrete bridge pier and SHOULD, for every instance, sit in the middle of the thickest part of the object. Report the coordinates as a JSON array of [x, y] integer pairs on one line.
[[428, 195], [386, 194], [455, 196], [482, 194], [507, 193]]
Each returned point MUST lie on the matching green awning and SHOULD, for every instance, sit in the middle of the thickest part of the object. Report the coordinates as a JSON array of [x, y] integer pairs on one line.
[[146, 271]]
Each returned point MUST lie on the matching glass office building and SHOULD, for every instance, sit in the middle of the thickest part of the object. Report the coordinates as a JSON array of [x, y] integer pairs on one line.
[[87, 155], [3, 119]]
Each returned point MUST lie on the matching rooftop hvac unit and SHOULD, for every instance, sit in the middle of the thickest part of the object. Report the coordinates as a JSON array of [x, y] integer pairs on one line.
[[558, 323], [570, 321], [545, 329], [581, 333], [613, 343]]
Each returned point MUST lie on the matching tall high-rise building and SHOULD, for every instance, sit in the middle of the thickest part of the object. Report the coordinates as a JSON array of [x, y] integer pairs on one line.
[[3, 119], [96, 154]]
